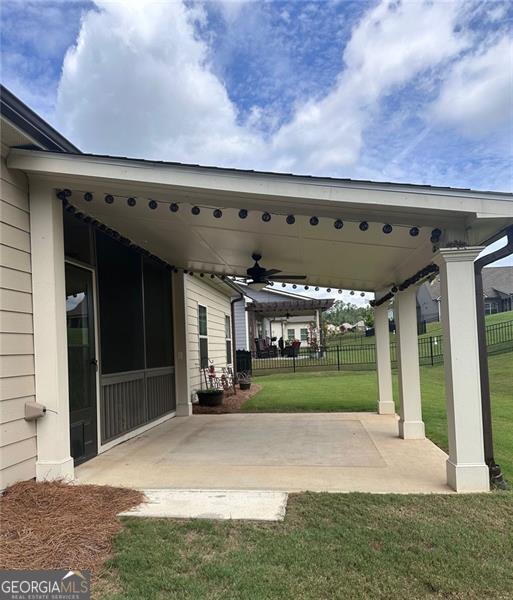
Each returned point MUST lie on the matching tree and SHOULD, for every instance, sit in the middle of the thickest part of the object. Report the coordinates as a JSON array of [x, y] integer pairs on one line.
[[345, 312]]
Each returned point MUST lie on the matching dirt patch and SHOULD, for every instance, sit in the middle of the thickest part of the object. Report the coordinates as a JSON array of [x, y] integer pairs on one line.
[[55, 525], [231, 404]]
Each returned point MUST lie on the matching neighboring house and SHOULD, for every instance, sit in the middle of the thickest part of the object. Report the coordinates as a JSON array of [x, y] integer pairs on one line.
[[116, 285], [272, 313], [497, 287]]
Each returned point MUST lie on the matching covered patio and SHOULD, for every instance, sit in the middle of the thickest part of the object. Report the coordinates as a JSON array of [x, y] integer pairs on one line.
[[381, 238], [323, 452]]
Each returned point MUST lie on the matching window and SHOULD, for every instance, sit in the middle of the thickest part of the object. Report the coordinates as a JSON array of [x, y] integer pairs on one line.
[[291, 334], [157, 315], [304, 335], [228, 335], [203, 336]]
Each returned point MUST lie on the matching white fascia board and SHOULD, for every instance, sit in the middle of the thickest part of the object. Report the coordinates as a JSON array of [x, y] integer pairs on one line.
[[301, 195]]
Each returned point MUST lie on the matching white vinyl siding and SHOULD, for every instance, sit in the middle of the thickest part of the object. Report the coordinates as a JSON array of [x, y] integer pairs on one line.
[[18, 437], [217, 303]]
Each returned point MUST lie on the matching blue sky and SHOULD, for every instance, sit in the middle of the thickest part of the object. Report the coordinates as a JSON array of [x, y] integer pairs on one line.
[[419, 92]]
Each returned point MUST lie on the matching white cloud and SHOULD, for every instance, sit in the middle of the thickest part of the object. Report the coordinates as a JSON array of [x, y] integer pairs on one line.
[[477, 95], [391, 45], [139, 83]]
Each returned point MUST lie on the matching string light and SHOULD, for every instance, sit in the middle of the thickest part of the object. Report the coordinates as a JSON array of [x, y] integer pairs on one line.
[[131, 201], [152, 204], [109, 199], [314, 221], [339, 291], [243, 213], [363, 226], [218, 213], [195, 210], [387, 228], [338, 224], [173, 207], [88, 197], [266, 217], [291, 219], [414, 231], [435, 235]]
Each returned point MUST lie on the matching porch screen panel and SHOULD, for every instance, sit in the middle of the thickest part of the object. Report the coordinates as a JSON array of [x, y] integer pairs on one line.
[[157, 315], [121, 306]]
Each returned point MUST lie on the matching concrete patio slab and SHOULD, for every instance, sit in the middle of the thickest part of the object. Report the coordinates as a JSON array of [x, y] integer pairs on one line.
[[333, 452], [212, 504]]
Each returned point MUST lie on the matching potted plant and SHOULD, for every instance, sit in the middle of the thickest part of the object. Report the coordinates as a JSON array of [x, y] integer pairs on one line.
[[244, 378], [210, 397]]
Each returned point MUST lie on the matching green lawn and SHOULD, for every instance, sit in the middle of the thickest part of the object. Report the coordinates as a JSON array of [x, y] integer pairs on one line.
[[357, 390], [354, 546]]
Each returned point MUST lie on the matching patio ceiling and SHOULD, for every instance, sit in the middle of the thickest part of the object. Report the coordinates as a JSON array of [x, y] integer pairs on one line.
[[339, 258]]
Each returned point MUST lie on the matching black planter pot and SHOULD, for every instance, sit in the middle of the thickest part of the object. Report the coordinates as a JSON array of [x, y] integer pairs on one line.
[[244, 386], [210, 397]]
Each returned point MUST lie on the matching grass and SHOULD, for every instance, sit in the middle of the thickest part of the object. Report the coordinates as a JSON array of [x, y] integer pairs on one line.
[[357, 391], [355, 546]]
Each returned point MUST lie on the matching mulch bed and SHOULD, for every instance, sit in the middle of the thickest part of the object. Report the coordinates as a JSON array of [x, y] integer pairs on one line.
[[231, 404], [56, 525]]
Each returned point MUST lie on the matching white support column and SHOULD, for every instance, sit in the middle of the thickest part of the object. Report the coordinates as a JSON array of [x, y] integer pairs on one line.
[[411, 426], [50, 339], [180, 329], [466, 469], [386, 404]]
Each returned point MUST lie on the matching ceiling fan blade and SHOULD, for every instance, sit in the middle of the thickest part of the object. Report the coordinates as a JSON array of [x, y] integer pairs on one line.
[[286, 277], [271, 272]]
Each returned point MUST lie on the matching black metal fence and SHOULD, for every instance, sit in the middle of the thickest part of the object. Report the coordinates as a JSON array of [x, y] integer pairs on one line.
[[363, 356]]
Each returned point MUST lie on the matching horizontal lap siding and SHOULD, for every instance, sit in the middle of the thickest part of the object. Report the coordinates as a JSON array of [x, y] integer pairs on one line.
[[218, 307], [18, 437]]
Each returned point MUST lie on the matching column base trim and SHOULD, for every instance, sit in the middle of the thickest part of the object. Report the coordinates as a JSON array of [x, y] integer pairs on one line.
[[412, 430], [184, 410], [468, 477], [47, 470], [387, 407]]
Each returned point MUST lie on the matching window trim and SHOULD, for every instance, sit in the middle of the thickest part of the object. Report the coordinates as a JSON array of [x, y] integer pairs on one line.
[[303, 339], [291, 339]]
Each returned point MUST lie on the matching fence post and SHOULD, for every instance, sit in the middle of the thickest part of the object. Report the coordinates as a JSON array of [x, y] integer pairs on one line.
[[431, 349], [338, 358], [294, 359]]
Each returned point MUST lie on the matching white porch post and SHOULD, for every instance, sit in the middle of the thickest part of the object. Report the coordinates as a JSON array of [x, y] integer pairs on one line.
[[180, 329], [386, 404], [50, 339], [466, 469], [411, 426]]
